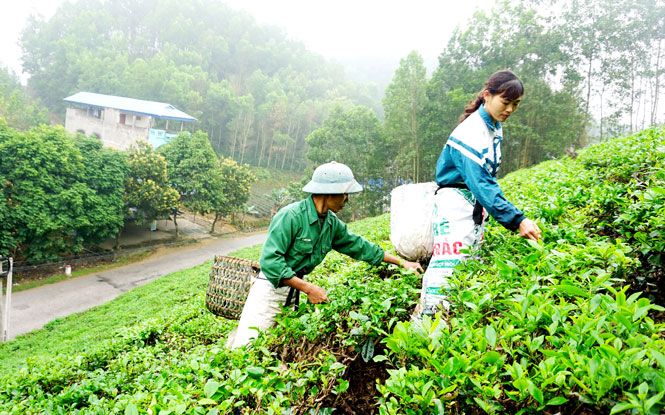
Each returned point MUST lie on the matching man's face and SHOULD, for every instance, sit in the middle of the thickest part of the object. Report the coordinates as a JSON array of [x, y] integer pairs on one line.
[[337, 202]]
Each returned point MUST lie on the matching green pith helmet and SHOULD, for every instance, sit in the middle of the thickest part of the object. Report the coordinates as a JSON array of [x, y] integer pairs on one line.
[[332, 179]]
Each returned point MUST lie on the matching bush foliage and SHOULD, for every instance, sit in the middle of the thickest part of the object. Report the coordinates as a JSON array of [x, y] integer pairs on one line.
[[60, 194], [571, 324]]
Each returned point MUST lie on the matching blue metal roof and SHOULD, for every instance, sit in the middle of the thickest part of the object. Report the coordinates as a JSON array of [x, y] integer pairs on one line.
[[130, 105]]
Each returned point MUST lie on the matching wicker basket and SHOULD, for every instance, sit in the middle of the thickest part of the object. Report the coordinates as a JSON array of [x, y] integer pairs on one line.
[[230, 280]]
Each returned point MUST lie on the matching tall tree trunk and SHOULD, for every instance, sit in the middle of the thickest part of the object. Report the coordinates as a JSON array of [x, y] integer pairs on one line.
[[247, 125], [644, 113], [602, 104], [632, 96], [286, 148], [270, 148], [654, 105], [296, 139], [263, 143], [235, 138], [259, 133], [581, 138], [526, 150]]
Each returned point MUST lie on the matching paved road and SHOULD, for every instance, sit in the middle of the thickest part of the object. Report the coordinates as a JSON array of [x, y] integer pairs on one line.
[[33, 308]]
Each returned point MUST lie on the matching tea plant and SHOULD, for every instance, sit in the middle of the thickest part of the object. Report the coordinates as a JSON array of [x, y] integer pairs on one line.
[[551, 327], [572, 324]]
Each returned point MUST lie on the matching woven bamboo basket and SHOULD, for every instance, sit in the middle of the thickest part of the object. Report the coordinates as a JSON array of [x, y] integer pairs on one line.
[[230, 280]]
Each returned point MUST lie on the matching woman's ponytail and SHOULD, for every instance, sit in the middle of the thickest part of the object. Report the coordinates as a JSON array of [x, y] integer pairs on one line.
[[504, 83], [473, 106]]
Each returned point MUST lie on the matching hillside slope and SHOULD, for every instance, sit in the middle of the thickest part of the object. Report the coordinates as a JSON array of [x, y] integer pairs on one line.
[[555, 327]]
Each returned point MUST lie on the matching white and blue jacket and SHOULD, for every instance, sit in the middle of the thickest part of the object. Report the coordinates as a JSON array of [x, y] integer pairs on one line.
[[472, 156]]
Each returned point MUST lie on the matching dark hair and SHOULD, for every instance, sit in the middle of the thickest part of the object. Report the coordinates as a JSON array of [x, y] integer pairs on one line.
[[504, 83]]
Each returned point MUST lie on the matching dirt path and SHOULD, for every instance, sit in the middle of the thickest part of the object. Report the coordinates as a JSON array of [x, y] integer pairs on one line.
[[33, 308]]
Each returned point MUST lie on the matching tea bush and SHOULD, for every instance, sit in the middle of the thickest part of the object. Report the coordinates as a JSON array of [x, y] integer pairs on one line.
[[554, 326], [571, 324]]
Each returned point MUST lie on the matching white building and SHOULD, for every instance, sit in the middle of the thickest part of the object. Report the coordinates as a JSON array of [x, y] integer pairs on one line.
[[120, 122]]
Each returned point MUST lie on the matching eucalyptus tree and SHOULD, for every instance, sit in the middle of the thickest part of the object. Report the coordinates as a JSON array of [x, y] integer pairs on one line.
[[17, 107], [514, 36], [356, 138], [403, 106]]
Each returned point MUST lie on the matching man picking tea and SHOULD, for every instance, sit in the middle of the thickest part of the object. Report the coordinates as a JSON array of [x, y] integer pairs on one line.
[[299, 237]]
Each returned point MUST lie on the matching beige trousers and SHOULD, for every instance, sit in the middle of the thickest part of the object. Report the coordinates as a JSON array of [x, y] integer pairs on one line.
[[263, 303]]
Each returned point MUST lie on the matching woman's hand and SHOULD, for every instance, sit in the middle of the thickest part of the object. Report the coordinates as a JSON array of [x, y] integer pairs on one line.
[[412, 266], [528, 229]]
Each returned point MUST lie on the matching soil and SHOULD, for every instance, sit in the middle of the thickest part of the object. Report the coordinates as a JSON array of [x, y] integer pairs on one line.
[[360, 397]]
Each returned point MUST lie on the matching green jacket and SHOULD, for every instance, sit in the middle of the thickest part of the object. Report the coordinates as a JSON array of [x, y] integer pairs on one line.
[[297, 244]]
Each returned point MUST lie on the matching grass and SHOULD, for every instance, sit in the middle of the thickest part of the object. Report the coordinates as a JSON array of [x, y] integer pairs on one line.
[[77, 332], [81, 331]]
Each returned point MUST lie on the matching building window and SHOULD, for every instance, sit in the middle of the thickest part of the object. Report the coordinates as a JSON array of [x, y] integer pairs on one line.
[[122, 119], [94, 112], [138, 118]]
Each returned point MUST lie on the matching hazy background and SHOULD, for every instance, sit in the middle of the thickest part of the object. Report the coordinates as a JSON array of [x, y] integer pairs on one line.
[[368, 37]]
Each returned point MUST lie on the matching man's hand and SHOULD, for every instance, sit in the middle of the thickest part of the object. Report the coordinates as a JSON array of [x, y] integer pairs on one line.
[[413, 266], [316, 294], [528, 229]]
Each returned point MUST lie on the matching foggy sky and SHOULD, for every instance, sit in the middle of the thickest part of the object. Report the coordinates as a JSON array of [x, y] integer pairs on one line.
[[380, 31]]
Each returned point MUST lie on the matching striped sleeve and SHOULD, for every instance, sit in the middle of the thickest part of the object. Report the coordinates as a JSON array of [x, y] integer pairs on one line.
[[471, 166]]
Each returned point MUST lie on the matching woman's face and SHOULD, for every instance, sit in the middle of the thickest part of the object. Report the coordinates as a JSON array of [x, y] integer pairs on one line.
[[499, 107]]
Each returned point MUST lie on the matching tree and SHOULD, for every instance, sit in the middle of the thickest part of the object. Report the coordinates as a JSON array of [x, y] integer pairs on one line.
[[16, 106], [106, 174], [220, 106], [403, 106], [245, 83], [236, 183], [148, 193], [355, 138], [194, 171], [54, 201]]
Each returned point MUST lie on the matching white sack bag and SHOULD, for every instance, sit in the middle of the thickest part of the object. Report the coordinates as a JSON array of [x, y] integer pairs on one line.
[[453, 232], [411, 207]]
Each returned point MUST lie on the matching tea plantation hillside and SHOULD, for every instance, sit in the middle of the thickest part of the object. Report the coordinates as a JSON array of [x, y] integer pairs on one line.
[[573, 324]]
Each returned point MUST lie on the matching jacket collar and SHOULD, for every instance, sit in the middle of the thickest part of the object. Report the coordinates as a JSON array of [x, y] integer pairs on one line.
[[312, 214], [488, 120]]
